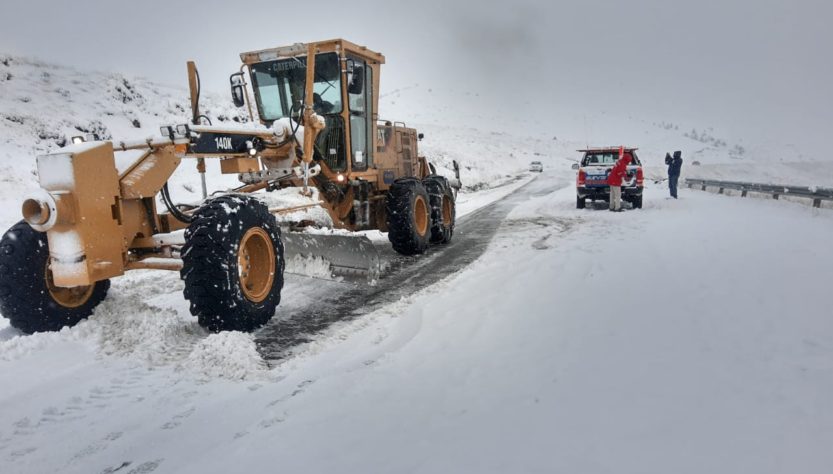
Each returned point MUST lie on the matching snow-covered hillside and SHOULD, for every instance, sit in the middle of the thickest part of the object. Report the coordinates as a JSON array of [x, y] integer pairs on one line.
[[777, 160]]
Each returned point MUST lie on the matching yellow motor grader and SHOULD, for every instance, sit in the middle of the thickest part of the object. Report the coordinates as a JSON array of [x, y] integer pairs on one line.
[[314, 127]]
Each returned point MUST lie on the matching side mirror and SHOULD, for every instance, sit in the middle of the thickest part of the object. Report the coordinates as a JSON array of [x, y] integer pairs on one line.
[[422, 135], [356, 85], [575, 166], [238, 95]]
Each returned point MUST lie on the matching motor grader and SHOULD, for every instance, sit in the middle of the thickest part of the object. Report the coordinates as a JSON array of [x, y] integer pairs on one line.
[[314, 127]]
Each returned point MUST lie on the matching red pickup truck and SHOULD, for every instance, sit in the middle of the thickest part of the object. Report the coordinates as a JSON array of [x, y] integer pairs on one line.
[[591, 180]]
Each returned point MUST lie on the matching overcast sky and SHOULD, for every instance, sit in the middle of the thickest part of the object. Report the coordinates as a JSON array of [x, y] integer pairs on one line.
[[746, 67]]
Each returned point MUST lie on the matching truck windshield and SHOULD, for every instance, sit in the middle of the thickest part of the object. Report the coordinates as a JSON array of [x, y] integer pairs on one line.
[[279, 86]]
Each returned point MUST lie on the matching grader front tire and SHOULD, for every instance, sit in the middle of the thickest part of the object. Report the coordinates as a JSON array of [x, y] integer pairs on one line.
[[28, 297], [233, 264]]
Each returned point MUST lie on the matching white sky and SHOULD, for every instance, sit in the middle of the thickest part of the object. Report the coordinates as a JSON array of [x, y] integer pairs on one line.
[[751, 68]]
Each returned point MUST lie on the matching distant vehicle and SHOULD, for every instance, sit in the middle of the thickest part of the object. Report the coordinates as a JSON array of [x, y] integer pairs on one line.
[[593, 169], [536, 166]]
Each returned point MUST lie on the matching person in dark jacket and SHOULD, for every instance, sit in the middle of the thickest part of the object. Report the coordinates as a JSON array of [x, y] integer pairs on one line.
[[614, 179], [674, 166]]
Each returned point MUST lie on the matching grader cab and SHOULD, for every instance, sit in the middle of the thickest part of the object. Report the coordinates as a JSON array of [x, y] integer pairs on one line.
[[319, 128]]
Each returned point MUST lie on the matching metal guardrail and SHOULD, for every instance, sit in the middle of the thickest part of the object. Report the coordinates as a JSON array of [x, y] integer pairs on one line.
[[775, 190]]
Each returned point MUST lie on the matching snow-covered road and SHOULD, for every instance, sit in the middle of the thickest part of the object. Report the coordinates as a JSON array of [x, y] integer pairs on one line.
[[338, 304], [691, 336]]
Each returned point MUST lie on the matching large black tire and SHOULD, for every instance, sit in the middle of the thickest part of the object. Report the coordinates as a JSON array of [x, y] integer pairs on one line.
[[443, 208], [232, 264], [637, 202], [408, 216], [27, 296], [581, 203]]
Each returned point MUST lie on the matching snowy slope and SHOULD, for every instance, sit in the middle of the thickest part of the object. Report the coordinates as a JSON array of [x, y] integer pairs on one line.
[[721, 156]]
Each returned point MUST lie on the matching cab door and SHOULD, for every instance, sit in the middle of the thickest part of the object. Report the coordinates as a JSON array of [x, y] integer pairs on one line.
[[360, 103]]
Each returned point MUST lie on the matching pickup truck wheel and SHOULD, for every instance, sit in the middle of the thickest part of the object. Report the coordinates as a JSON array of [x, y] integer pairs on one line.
[[581, 202], [443, 211], [232, 264], [408, 216], [28, 296], [637, 202]]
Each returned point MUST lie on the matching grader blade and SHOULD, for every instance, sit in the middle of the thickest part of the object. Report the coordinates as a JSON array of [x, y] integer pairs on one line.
[[325, 256]]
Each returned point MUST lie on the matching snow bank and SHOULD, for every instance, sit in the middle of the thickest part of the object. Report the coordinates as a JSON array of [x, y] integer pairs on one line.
[[129, 327], [145, 320], [230, 354]]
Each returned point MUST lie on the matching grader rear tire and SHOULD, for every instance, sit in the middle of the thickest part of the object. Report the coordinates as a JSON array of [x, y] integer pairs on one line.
[[443, 208], [28, 297], [408, 216], [233, 264]]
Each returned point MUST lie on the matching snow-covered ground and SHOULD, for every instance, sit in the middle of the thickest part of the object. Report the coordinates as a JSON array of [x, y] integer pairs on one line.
[[690, 336]]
